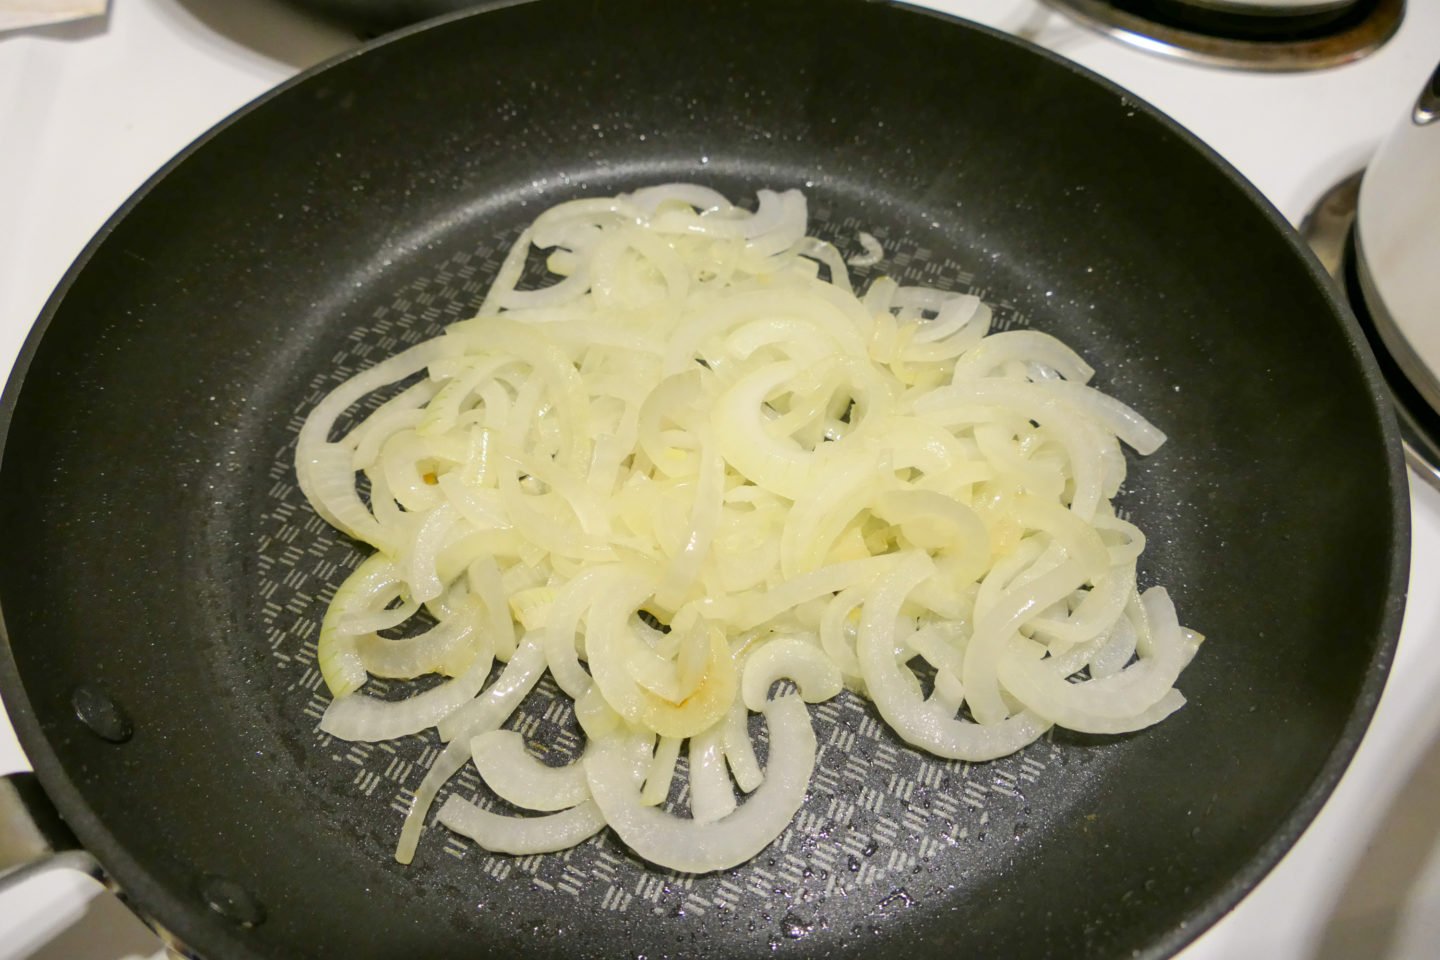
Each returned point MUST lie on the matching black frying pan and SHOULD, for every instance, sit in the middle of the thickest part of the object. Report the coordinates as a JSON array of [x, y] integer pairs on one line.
[[162, 576]]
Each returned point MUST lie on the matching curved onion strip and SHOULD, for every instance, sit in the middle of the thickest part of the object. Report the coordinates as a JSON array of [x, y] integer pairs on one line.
[[360, 717], [607, 639], [325, 470], [692, 847], [566, 613], [806, 664], [522, 779], [826, 254], [810, 586], [406, 409], [778, 464], [675, 668], [362, 622], [952, 314], [1115, 649], [1030, 345], [871, 252], [926, 723], [1097, 613], [711, 796], [500, 699], [837, 634], [984, 653], [685, 566], [662, 771], [444, 648], [522, 835], [1127, 700], [341, 665], [819, 517], [487, 712], [483, 577], [973, 401], [941, 524], [739, 751], [649, 199], [446, 765]]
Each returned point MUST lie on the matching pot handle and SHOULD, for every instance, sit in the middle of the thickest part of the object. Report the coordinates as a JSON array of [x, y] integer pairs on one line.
[[1427, 107], [33, 837]]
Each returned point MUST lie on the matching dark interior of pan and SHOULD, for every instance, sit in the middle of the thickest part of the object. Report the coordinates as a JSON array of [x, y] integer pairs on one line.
[[158, 554]]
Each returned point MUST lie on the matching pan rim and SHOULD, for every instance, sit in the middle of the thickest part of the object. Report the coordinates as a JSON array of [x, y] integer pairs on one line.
[[185, 921]]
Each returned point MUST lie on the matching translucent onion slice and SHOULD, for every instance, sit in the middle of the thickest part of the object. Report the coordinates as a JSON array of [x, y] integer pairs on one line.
[[1137, 696], [1028, 345], [609, 639], [986, 649], [369, 719], [445, 648], [1114, 650], [446, 765], [711, 796], [775, 463], [739, 751], [926, 723], [1096, 614], [871, 252], [662, 771], [522, 836], [325, 470], [692, 847], [520, 778], [487, 712], [806, 664], [500, 699], [341, 665]]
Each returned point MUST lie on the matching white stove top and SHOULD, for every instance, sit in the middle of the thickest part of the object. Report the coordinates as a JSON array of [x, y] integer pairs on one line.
[[89, 110]]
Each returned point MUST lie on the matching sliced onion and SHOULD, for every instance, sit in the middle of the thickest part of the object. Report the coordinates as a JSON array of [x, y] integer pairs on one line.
[[662, 771], [1029, 345], [695, 418], [739, 751], [711, 796], [691, 847], [1135, 697], [985, 652], [522, 836], [926, 723], [519, 778], [369, 719], [806, 664], [500, 699], [341, 665], [870, 253], [445, 648], [774, 463]]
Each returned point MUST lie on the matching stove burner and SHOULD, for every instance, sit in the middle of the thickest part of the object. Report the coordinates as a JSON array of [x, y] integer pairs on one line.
[[1326, 228], [1324, 34], [1329, 230]]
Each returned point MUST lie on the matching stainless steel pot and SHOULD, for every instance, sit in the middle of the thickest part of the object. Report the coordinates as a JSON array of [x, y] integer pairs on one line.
[[1276, 7], [1397, 242]]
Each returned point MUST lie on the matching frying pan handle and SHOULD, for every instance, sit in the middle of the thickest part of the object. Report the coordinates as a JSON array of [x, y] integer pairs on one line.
[[33, 837]]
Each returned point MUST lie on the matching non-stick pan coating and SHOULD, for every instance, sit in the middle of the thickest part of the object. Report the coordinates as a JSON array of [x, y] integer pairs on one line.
[[158, 554]]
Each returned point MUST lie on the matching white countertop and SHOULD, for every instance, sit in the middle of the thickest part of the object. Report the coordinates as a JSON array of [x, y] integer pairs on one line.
[[89, 110]]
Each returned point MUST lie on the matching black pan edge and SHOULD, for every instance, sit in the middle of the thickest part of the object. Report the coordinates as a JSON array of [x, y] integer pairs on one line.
[[184, 917]]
